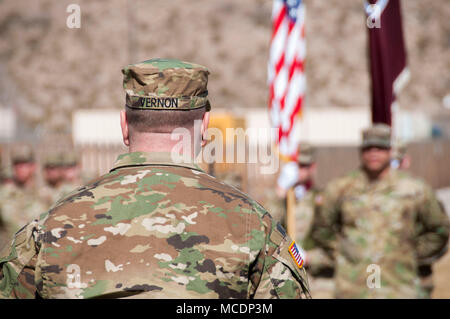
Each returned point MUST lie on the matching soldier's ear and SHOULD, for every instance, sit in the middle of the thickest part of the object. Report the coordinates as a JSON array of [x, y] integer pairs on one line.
[[204, 128], [124, 126]]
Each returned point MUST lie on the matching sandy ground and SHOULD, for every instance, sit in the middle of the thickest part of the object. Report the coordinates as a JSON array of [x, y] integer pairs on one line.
[[442, 267]]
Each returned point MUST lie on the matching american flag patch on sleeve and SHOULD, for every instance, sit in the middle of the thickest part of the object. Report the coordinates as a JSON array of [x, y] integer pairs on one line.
[[296, 254]]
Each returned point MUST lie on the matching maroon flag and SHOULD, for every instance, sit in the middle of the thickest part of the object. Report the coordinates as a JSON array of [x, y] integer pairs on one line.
[[387, 56]]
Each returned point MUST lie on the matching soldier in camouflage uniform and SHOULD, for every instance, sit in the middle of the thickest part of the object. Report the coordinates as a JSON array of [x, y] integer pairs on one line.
[[308, 200], [53, 176], [6, 188], [7, 176], [71, 171], [276, 205], [155, 226], [377, 225], [276, 200], [402, 161], [21, 201], [60, 174]]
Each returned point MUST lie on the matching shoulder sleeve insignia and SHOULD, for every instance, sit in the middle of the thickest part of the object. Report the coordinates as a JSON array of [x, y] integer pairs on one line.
[[296, 254]]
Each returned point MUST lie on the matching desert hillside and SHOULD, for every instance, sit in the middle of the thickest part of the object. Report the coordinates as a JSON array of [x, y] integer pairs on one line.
[[48, 70]]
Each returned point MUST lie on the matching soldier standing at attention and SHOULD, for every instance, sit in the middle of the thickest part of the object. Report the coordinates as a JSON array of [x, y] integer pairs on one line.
[[307, 201], [71, 171], [61, 174], [155, 226], [402, 161], [381, 223], [22, 202], [6, 188], [53, 176]]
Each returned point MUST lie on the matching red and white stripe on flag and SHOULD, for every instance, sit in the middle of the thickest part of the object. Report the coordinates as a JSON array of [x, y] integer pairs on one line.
[[286, 72]]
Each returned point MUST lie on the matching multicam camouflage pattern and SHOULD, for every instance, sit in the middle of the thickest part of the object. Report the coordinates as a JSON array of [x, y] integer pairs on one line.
[[166, 84], [395, 223], [152, 228]]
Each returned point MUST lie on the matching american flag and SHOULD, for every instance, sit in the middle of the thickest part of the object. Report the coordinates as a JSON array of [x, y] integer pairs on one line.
[[285, 71], [296, 253]]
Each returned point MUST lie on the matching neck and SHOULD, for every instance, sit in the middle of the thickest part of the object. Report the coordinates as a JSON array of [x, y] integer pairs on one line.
[[161, 142], [54, 184], [377, 175]]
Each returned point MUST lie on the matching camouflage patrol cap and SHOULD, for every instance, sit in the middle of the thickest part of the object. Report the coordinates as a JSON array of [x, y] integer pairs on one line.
[[70, 158], [54, 159], [166, 84], [306, 154], [22, 154], [378, 135]]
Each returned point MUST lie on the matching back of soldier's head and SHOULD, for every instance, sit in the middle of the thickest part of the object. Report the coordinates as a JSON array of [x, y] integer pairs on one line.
[[164, 94]]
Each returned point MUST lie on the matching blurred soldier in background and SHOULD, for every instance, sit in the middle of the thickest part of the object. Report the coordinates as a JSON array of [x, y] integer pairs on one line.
[[307, 200], [7, 177], [379, 225], [277, 199], [402, 161], [306, 194], [24, 167], [296, 190], [6, 187], [231, 178], [61, 173], [156, 226], [400, 158], [53, 177], [21, 202], [71, 170]]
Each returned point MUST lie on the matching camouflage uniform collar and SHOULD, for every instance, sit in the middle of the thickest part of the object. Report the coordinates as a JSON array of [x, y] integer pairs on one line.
[[153, 158]]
